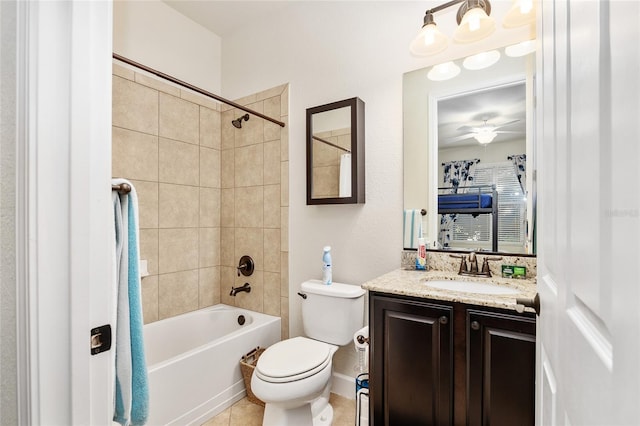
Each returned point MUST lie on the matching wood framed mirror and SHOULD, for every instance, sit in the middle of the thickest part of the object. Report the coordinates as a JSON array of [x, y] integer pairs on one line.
[[335, 153]]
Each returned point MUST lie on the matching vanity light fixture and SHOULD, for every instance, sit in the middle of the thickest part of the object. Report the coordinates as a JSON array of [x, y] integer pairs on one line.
[[474, 23], [481, 60], [520, 49], [521, 13], [444, 71]]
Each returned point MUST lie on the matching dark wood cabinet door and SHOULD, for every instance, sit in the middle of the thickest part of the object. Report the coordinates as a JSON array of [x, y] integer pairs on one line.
[[501, 357], [411, 374]]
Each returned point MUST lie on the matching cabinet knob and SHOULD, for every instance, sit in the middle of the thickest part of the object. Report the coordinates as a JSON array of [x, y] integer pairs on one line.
[[475, 325], [444, 320]]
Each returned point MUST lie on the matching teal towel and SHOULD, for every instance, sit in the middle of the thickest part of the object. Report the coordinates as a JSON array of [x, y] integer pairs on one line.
[[131, 383]]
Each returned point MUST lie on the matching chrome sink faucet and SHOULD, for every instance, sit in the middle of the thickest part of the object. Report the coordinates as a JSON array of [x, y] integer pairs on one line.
[[471, 269]]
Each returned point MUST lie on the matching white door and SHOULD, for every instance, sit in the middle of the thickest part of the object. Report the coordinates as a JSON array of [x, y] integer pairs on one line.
[[64, 115], [589, 217]]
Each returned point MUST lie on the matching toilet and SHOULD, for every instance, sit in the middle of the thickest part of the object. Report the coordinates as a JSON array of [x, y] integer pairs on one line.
[[293, 377]]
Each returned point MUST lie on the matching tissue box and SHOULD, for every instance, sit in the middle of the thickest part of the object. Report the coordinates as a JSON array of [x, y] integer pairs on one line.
[[512, 271]]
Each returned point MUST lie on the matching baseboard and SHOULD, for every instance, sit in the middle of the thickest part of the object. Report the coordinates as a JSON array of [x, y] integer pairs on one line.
[[343, 385]]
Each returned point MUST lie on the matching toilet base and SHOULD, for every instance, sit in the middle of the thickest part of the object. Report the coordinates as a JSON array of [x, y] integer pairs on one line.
[[276, 416]]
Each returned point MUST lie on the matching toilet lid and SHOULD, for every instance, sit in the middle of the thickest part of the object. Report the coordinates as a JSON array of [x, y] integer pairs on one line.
[[293, 359]]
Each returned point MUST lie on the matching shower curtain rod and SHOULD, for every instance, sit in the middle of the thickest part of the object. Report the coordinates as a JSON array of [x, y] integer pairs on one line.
[[195, 89], [330, 143]]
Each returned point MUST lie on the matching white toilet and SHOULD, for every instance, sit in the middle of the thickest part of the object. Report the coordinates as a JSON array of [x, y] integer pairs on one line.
[[293, 377]]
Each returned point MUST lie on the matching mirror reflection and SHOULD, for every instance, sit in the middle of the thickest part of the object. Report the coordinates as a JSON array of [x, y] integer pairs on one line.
[[468, 150]]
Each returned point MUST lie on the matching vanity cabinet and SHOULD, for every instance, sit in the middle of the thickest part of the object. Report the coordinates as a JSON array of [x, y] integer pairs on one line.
[[443, 363]]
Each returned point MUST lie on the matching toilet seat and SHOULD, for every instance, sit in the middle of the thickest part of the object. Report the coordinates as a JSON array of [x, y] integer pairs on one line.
[[293, 359]]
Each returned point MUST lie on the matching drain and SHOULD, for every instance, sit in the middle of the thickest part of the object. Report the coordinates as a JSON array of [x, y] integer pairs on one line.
[[241, 319]]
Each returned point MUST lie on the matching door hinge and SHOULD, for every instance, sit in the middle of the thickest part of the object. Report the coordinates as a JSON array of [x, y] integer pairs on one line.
[[100, 339]]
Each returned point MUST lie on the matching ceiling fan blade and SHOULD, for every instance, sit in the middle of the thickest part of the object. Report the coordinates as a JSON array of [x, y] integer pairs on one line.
[[509, 131], [505, 124], [458, 138], [468, 129]]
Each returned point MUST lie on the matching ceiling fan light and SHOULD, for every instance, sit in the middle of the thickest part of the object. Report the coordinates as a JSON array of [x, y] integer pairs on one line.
[[475, 25], [485, 136], [481, 60], [521, 13], [520, 49], [429, 41], [442, 72]]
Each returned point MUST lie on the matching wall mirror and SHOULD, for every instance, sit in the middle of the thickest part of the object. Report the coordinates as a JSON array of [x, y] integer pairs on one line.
[[335, 153], [469, 156]]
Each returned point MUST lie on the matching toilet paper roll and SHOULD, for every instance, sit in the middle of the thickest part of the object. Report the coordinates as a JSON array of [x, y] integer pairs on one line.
[[364, 332]]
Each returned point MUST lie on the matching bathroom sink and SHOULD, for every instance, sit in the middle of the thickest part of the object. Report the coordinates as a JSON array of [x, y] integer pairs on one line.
[[471, 287]]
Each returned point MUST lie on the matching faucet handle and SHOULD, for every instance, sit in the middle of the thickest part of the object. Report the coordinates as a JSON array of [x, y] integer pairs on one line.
[[485, 264]]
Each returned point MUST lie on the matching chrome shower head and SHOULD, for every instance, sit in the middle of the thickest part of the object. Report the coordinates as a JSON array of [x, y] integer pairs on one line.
[[237, 123]]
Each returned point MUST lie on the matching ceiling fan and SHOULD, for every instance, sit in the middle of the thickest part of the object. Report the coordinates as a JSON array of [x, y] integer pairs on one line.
[[484, 133]]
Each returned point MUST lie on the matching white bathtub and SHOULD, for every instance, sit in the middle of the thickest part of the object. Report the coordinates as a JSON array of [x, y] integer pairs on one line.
[[193, 361]]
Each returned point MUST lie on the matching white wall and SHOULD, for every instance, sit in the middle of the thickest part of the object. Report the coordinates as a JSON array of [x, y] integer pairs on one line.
[[155, 35]]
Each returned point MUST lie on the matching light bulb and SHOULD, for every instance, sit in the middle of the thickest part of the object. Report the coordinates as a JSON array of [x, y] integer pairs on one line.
[[429, 41], [475, 25]]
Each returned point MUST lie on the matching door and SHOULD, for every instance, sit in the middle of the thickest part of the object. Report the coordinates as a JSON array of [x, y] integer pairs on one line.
[[501, 366], [412, 371], [588, 134], [64, 173]]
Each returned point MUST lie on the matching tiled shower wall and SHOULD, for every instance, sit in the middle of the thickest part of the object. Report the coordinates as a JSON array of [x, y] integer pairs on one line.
[[202, 199], [326, 162]]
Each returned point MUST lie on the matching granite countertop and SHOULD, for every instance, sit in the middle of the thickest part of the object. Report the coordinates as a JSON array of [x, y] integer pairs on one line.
[[412, 283]]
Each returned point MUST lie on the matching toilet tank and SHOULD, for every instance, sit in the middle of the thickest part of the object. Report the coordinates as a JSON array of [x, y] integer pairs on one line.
[[332, 313]]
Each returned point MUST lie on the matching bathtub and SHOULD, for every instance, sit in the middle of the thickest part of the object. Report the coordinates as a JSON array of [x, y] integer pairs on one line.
[[193, 361]]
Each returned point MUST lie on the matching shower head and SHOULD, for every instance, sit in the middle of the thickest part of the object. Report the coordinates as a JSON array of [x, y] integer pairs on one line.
[[237, 123]]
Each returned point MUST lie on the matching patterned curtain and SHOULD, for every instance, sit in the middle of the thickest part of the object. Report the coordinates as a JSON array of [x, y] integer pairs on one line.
[[520, 164], [457, 174]]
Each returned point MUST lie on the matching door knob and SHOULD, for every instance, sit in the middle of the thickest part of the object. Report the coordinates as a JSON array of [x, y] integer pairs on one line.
[[523, 302]]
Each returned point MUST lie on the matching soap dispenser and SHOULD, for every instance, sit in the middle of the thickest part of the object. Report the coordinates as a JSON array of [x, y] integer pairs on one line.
[[326, 266]]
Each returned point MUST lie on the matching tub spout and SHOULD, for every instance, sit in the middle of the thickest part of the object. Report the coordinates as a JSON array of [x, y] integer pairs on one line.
[[235, 290]]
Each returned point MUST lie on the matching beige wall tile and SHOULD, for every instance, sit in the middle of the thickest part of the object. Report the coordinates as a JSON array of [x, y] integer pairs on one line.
[[284, 317], [178, 249], [325, 181], [178, 162], [227, 168], [270, 93], [284, 101], [123, 71], [178, 293], [249, 165], [209, 286], [284, 140], [155, 83], [179, 206], [272, 206], [135, 107], [149, 286], [209, 207], [147, 203], [210, 128], [250, 241], [272, 250], [199, 99], [272, 293], [272, 109], [249, 207], [209, 247], [227, 131], [209, 167], [227, 247], [284, 273], [179, 119], [272, 162], [227, 207], [134, 155], [284, 228], [254, 300], [227, 280], [252, 131], [248, 100], [149, 249], [325, 155], [284, 183]]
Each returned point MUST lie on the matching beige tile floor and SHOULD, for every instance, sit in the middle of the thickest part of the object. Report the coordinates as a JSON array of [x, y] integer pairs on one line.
[[246, 413]]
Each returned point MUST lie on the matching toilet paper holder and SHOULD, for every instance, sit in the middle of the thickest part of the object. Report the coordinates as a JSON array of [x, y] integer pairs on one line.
[[362, 340]]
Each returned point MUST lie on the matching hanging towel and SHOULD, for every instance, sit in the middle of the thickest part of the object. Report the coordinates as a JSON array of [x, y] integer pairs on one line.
[[411, 228], [131, 400], [345, 176]]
